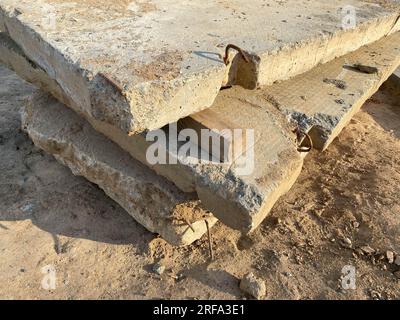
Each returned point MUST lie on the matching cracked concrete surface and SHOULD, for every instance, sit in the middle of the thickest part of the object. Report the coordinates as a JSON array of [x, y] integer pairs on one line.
[[139, 65], [323, 100]]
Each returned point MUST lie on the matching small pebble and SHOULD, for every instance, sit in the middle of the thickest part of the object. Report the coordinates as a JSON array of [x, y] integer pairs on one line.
[[158, 268], [346, 242], [390, 256], [253, 286], [356, 224], [367, 250], [375, 295]]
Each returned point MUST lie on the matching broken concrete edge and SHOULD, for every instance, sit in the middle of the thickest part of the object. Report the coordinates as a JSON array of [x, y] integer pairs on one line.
[[323, 137], [331, 135], [137, 109], [273, 66], [238, 213], [281, 64], [14, 58], [107, 101], [151, 200], [323, 111]]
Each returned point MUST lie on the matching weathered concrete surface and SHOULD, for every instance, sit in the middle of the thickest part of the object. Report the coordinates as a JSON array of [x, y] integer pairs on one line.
[[161, 58], [14, 58], [150, 199], [240, 201], [323, 100]]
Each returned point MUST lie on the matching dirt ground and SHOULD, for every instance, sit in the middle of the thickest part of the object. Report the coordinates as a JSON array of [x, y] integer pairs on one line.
[[346, 199]]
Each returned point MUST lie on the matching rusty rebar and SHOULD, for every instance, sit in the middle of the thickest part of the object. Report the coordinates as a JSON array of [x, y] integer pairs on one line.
[[210, 247], [241, 51]]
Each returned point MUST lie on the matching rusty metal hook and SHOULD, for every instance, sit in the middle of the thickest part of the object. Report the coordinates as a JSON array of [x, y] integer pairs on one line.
[[241, 51], [210, 247], [299, 135]]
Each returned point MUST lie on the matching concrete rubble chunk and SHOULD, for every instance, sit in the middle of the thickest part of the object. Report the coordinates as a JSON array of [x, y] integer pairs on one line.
[[367, 250], [141, 65], [323, 100], [150, 199], [253, 286]]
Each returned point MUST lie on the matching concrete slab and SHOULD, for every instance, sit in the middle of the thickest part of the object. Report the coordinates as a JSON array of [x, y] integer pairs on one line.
[[139, 65], [239, 200], [226, 145], [150, 199], [243, 200], [323, 100]]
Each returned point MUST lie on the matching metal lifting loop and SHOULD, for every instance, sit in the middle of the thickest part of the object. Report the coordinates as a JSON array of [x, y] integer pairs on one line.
[[300, 134], [241, 51]]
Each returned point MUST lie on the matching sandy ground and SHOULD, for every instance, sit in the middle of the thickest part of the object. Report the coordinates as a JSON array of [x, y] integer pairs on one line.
[[345, 199]]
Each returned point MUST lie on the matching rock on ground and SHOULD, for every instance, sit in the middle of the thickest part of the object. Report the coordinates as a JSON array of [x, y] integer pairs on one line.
[[253, 286]]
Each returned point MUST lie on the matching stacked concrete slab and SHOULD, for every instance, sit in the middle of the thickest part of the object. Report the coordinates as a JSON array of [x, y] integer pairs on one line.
[[133, 67], [155, 203]]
